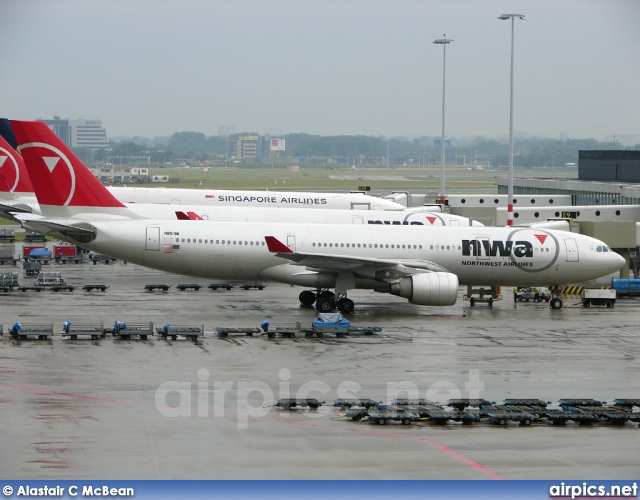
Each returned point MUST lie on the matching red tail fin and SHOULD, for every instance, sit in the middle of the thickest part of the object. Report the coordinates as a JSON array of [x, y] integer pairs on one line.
[[13, 173], [59, 178]]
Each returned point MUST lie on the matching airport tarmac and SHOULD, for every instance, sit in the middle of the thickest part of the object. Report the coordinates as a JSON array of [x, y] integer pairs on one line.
[[106, 409]]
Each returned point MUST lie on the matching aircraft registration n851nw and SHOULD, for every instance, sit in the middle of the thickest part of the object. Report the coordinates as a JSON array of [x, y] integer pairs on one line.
[[426, 267], [17, 195]]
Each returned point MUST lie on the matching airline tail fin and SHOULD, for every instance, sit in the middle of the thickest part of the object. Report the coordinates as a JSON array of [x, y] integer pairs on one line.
[[13, 173], [64, 186]]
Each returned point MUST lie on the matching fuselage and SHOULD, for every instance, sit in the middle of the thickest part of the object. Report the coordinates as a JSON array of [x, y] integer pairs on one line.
[[487, 255], [228, 198]]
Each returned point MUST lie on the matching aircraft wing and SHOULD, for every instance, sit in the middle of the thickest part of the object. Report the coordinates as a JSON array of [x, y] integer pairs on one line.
[[384, 269], [80, 232]]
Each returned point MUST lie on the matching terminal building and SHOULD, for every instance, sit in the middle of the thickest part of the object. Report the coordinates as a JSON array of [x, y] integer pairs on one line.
[[80, 133], [604, 202]]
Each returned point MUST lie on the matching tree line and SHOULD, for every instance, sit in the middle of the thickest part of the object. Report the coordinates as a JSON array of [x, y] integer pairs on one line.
[[358, 149]]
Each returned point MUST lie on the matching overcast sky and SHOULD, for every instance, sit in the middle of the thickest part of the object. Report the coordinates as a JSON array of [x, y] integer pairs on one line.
[[329, 67]]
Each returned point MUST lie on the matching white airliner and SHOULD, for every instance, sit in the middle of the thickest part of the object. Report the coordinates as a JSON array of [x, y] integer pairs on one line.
[[426, 267], [16, 195], [232, 198]]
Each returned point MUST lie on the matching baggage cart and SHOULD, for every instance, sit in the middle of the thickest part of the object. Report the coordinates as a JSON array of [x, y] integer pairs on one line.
[[184, 286], [288, 403], [91, 287], [163, 287], [189, 332], [125, 330], [225, 286], [224, 331], [75, 330], [21, 330]]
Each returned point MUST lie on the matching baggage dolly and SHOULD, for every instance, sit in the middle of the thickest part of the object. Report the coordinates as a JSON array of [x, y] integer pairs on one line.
[[189, 332], [21, 330]]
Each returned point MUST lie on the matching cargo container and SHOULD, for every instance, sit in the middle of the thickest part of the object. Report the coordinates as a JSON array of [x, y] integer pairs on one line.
[[64, 250], [626, 286], [8, 253], [8, 234], [66, 253], [27, 249]]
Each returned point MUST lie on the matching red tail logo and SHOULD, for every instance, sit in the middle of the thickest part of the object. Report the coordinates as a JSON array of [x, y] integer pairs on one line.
[[13, 174], [59, 177]]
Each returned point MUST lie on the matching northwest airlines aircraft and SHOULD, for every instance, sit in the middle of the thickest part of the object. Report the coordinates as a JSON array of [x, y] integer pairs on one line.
[[16, 195], [426, 267]]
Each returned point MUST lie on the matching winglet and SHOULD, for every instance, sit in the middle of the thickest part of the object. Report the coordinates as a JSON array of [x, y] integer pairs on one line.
[[276, 246]]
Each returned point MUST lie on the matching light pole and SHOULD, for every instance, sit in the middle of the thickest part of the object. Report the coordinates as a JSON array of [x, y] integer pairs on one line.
[[443, 42], [505, 17]]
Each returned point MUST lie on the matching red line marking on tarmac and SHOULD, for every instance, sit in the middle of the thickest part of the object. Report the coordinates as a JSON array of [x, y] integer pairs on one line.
[[70, 395], [629, 333], [458, 456], [439, 446]]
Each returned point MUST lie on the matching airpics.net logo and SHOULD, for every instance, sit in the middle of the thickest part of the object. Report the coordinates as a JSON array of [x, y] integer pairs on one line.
[[586, 490]]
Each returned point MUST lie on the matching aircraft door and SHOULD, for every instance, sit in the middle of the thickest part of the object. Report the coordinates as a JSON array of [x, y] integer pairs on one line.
[[572, 250], [153, 239], [360, 206], [358, 220], [291, 241]]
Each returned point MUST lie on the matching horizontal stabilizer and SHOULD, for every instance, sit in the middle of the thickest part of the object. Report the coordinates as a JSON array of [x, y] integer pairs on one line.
[[82, 232]]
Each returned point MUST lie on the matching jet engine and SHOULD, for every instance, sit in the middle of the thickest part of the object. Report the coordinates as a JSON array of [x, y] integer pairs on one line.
[[428, 289]]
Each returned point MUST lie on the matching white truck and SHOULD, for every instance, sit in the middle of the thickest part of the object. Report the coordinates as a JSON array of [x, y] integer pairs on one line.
[[597, 297]]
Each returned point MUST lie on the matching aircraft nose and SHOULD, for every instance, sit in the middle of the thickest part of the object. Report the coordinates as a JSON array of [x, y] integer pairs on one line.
[[618, 261]]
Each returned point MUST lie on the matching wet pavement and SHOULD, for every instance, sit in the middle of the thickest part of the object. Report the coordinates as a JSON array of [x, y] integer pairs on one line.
[[172, 409]]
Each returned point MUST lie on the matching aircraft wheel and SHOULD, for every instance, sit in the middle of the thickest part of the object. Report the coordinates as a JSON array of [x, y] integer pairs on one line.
[[345, 305], [472, 301], [326, 294], [307, 297], [555, 303], [324, 305]]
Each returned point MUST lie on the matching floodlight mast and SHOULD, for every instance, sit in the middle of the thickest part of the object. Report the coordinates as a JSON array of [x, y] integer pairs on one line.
[[443, 42], [505, 17]]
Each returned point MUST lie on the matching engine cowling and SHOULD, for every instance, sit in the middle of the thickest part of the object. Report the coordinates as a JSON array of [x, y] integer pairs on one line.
[[428, 289]]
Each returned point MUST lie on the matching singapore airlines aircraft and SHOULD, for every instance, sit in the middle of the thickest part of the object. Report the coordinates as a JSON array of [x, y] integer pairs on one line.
[[16, 195], [426, 267]]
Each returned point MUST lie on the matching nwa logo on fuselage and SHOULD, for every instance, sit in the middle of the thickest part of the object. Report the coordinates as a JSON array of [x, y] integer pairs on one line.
[[430, 219], [477, 248]]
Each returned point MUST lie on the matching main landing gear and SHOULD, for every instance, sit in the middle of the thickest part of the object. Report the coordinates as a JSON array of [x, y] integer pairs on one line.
[[325, 301]]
